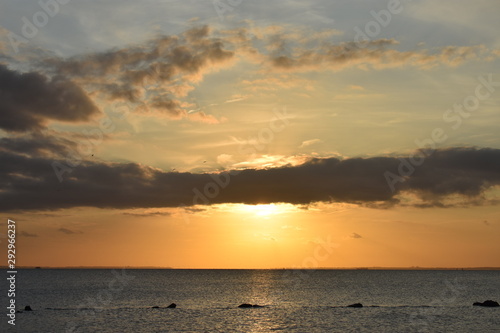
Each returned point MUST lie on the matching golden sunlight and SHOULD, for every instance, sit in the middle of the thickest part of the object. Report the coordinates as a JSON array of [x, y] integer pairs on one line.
[[261, 210], [264, 210]]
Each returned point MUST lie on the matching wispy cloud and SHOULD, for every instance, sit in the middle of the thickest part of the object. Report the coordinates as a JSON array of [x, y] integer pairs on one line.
[[27, 234], [308, 143], [69, 231], [148, 214], [237, 98], [356, 87], [155, 76], [376, 54]]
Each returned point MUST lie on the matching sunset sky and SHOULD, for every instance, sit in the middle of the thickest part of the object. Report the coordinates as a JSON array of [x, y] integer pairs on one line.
[[251, 134]]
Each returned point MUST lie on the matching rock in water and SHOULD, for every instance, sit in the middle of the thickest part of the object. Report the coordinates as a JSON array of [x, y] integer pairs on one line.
[[355, 305], [28, 308], [172, 306], [489, 303], [245, 305]]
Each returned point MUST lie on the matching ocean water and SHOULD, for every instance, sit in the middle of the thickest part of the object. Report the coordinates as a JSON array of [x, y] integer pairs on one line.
[[85, 300]]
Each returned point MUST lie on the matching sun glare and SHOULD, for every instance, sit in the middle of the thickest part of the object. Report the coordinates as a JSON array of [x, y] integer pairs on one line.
[[263, 210]]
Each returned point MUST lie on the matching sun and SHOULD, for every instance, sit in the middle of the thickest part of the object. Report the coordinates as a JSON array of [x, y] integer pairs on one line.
[[260, 211], [263, 210]]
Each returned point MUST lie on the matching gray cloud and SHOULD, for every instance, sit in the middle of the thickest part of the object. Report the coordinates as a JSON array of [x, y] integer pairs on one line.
[[377, 54], [165, 67], [303, 51], [69, 231], [29, 100], [29, 183], [148, 214], [37, 144], [158, 74], [27, 234]]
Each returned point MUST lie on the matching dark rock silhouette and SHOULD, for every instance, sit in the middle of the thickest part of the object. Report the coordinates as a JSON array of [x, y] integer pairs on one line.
[[355, 305], [171, 306], [246, 305], [28, 308], [489, 303]]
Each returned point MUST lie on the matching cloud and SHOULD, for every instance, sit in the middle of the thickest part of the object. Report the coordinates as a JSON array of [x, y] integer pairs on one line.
[[202, 117], [194, 210], [157, 75], [308, 143], [225, 159], [356, 236], [27, 234], [148, 214], [237, 98], [270, 161], [38, 144], [69, 231], [375, 54], [31, 184], [29, 100]]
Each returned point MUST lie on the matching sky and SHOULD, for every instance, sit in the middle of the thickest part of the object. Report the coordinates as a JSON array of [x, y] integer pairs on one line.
[[251, 134]]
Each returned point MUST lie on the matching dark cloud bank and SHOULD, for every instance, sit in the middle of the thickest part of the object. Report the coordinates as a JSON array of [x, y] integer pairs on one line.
[[30, 183]]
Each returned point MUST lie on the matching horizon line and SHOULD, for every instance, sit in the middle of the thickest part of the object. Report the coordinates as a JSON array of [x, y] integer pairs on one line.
[[278, 268]]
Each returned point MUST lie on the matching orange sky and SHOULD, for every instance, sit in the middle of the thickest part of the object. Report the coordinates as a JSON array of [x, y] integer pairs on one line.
[[264, 236]]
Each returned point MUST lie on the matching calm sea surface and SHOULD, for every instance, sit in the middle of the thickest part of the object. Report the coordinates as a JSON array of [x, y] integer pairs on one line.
[[294, 301]]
